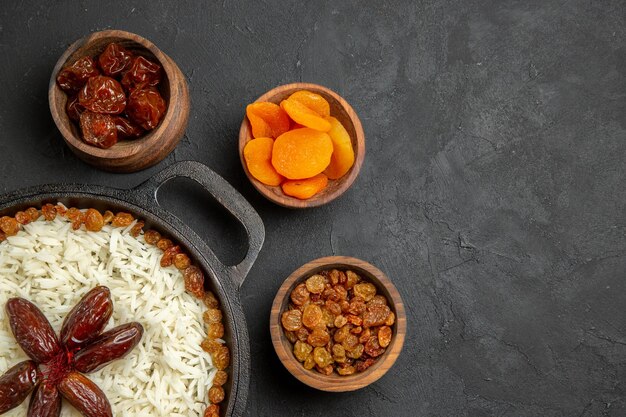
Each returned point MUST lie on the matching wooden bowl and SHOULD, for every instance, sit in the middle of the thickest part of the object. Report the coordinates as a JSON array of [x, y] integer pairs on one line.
[[340, 109], [335, 382], [127, 155]]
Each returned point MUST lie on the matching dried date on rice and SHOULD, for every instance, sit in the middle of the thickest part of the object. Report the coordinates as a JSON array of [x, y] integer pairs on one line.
[[292, 320], [300, 295], [312, 316]]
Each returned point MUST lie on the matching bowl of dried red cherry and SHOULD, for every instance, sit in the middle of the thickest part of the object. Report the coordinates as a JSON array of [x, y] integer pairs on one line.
[[338, 324], [120, 103]]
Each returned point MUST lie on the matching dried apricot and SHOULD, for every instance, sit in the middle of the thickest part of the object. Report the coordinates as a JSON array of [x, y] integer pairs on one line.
[[342, 158], [305, 188], [267, 120], [313, 101], [305, 116], [301, 153], [258, 156]]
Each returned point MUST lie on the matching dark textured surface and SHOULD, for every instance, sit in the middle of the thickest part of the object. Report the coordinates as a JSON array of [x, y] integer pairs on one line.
[[492, 193]]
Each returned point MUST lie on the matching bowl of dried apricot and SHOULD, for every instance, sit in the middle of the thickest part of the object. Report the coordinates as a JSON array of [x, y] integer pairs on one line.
[[301, 145], [120, 103], [338, 324]]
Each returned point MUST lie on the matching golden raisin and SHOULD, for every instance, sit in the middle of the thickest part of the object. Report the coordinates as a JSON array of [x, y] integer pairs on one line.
[[365, 290], [151, 237], [108, 217], [315, 284], [210, 300], [136, 229], [194, 281], [181, 261], [164, 244], [122, 220], [93, 220], [300, 295], [312, 316], [384, 336], [346, 370], [221, 358], [340, 321], [212, 315], [391, 319], [210, 345], [292, 320], [33, 213], [319, 337], [309, 362], [351, 279], [322, 357], [216, 394], [49, 212], [212, 410], [291, 336], [301, 350], [168, 256], [373, 348], [216, 330], [9, 226], [302, 334], [22, 218], [375, 315], [220, 378]]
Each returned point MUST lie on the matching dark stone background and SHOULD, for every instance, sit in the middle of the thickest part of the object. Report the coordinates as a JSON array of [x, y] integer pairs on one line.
[[492, 192]]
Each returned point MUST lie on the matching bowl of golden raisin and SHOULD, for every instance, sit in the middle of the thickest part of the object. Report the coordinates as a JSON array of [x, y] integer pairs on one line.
[[301, 145], [338, 324]]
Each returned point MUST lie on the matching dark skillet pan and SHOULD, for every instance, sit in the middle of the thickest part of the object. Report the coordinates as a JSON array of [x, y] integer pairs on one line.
[[224, 281]]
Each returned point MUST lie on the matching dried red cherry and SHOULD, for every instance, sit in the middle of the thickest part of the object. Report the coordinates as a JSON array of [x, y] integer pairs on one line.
[[73, 77], [103, 94], [115, 59], [126, 128], [146, 108], [142, 73], [73, 108], [98, 129]]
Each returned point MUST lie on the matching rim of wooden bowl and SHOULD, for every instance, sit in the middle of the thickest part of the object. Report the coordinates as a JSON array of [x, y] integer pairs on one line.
[[334, 382], [126, 155], [335, 188]]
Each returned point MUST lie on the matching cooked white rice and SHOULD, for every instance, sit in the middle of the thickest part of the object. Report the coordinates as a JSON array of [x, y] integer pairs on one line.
[[48, 263]]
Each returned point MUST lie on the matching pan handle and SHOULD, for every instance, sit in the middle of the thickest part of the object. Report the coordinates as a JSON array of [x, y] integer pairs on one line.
[[227, 196]]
